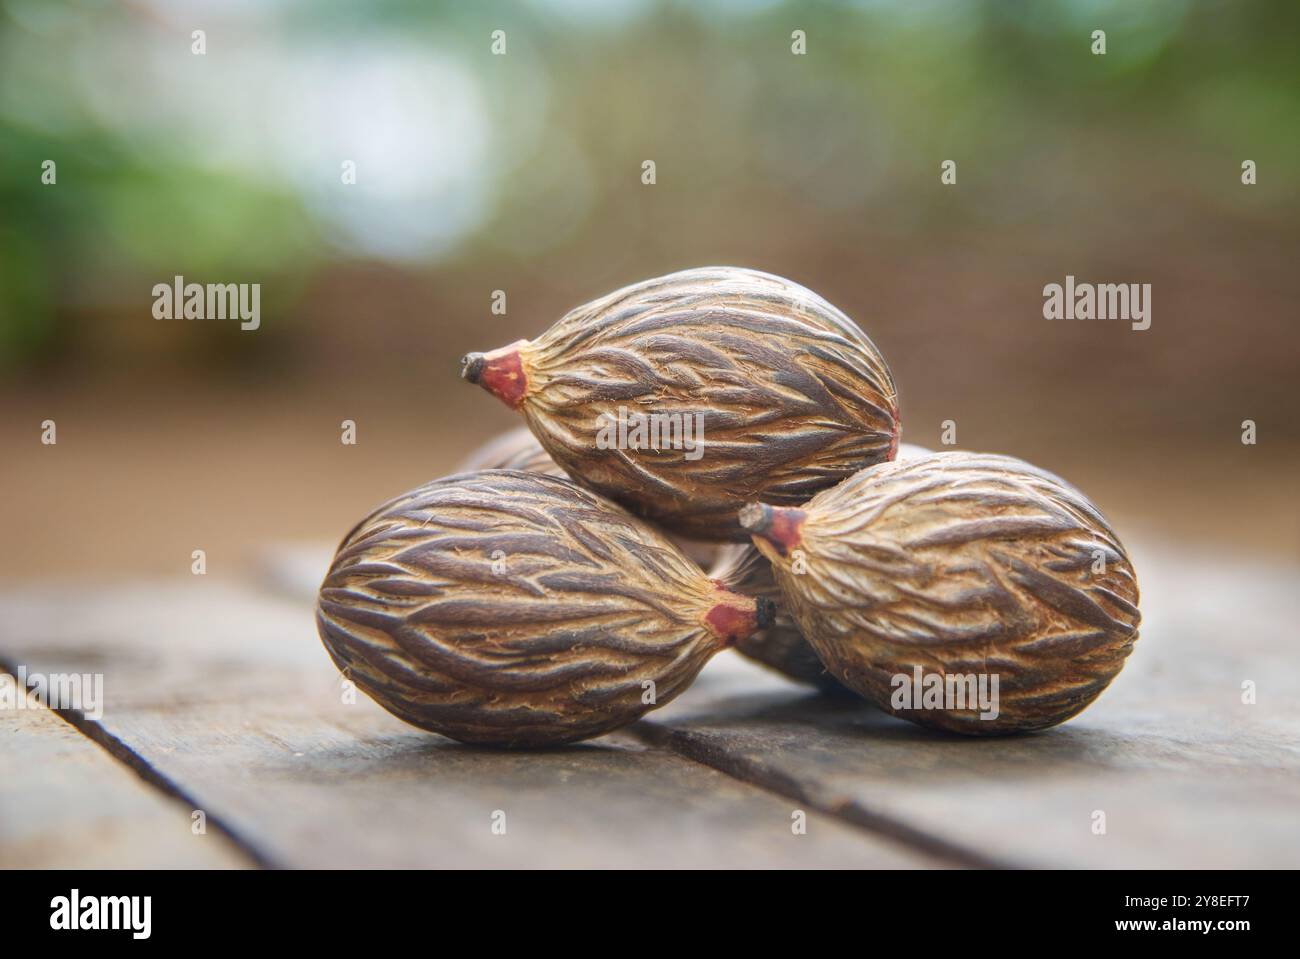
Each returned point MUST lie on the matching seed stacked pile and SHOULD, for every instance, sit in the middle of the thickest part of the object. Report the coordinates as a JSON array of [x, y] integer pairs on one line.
[[553, 591]]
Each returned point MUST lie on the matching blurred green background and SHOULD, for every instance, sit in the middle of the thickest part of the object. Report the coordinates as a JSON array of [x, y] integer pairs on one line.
[[522, 173]]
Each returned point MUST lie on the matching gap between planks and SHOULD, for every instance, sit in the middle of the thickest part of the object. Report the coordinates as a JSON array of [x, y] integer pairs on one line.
[[257, 759], [153, 778], [846, 810], [291, 574], [1170, 751]]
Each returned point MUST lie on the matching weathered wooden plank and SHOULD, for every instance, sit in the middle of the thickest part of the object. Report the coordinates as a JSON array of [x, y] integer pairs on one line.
[[67, 804], [1185, 773], [228, 695], [1169, 752]]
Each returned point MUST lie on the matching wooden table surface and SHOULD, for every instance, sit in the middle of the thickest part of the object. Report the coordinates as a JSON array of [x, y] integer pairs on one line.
[[220, 701]]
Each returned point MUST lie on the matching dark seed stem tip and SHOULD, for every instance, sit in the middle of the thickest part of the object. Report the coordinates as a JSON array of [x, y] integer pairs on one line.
[[765, 612], [779, 525], [471, 366], [756, 517]]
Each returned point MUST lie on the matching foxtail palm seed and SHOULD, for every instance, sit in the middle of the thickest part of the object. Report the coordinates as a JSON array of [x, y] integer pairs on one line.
[[686, 396], [519, 609], [927, 583]]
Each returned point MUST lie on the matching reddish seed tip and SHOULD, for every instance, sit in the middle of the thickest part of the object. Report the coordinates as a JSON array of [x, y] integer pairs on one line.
[[764, 609], [779, 525], [893, 440], [500, 372], [732, 623]]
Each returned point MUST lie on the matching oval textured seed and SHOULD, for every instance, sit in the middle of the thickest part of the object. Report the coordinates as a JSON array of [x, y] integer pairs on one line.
[[685, 396], [519, 609], [972, 592]]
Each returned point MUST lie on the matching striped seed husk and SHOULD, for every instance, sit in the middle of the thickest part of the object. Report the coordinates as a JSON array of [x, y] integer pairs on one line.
[[961, 564], [517, 609], [518, 449], [794, 397]]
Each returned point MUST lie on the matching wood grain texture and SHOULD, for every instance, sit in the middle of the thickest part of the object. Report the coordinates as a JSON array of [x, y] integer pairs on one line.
[[519, 609], [220, 688], [1185, 773], [226, 692], [67, 804], [958, 567], [794, 396]]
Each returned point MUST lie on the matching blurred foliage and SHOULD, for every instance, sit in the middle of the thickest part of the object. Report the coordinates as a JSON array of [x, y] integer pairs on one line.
[[226, 167]]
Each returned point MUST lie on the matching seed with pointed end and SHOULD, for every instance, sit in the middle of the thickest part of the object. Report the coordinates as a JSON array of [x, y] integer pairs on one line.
[[960, 566], [685, 396], [518, 609], [779, 646]]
